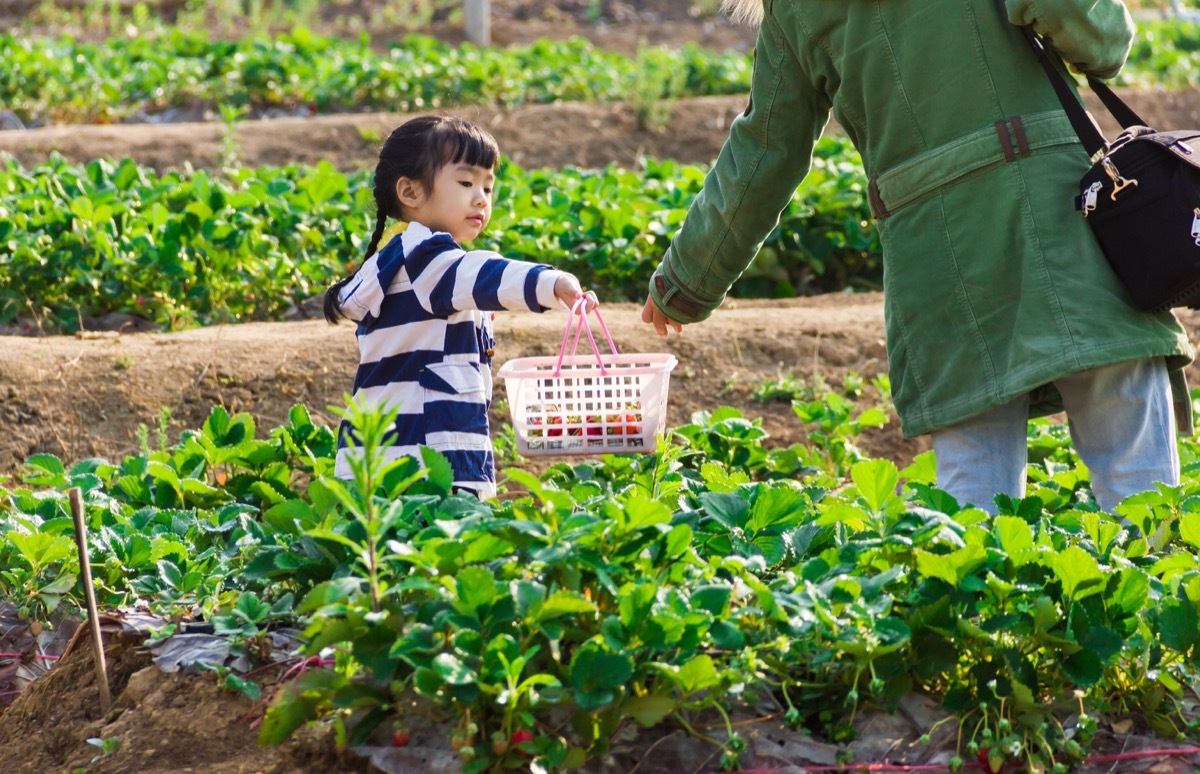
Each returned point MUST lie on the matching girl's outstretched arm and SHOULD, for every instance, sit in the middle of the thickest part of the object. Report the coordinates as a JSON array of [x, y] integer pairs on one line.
[[446, 279]]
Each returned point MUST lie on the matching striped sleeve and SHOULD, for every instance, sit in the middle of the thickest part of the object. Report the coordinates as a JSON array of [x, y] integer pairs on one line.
[[446, 279]]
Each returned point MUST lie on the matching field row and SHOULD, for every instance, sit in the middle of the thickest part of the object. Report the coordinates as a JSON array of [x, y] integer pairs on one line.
[[50, 80], [183, 249], [713, 575]]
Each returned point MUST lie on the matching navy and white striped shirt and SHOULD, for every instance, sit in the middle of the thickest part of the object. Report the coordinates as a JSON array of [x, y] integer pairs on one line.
[[425, 343]]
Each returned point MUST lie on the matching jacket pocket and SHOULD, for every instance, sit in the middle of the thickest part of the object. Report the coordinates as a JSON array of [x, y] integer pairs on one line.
[[455, 406]]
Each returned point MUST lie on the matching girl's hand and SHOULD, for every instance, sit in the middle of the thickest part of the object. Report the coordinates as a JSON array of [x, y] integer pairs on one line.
[[568, 291]]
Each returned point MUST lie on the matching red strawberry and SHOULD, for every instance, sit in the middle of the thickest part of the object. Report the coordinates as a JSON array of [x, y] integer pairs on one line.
[[519, 737]]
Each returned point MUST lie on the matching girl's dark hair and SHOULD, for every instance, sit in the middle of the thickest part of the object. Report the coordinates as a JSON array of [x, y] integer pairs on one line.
[[417, 149]]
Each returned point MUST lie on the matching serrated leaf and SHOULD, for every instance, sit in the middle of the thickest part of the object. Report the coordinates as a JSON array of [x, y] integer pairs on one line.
[[1083, 668], [452, 671], [697, 675], [1189, 529], [711, 598], [876, 480], [1016, 539], [1078, 571], [563, 602], [1178, 625]]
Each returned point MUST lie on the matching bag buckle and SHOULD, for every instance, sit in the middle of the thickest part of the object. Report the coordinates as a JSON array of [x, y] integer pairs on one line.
[[1196, 226], [1119, 183]]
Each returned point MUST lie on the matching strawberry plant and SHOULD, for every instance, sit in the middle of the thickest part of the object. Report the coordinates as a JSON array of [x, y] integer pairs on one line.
[[187, 249], [712, 575], [64, 79], [53, 79]]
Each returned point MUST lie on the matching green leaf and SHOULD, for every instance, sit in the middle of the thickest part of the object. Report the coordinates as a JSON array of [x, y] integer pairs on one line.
[[452, 671], [1189, 529], [712, 598], [44, 470], [678, 540], [1178, 625], [290, 517], [42, 548], [641, 512], [1079, 572], [1104, 642], [170, 573], [1132, 591], [727, 636], [772, 547], [1016, 538], [476, 589], [1083, 668], [60, 585], [297, 703], [330, 592], [876, 481], [952, 567], [165, 474], [636, 601], [441, 474], [83, 208], [728, 509], [649, 710], [529, 596], [697, 675], [594, 671], [564, 602], [778, 507], [923, 469]]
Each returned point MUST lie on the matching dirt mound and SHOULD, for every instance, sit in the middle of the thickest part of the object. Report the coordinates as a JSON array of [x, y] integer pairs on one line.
[[159, 723]]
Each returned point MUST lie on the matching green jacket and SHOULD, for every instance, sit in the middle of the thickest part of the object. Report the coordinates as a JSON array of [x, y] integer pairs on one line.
[[993, 283]]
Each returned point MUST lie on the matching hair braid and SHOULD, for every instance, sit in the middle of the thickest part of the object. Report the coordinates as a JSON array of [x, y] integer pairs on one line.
[[333, 312]]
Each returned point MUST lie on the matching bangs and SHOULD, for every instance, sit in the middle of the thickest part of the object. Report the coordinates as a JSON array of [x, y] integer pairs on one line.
[[463, 143]]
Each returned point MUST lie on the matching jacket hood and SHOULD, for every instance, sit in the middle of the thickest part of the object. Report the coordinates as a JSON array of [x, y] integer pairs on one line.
[[747, 11]]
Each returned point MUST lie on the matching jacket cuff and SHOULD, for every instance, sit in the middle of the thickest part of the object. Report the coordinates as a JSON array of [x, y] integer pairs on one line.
[[673, 300]]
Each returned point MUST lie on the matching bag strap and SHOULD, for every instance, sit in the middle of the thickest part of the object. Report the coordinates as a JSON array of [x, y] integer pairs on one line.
[[1093, 141]]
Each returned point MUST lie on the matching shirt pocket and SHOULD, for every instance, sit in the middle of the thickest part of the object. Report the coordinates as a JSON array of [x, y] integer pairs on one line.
[[455, 406]]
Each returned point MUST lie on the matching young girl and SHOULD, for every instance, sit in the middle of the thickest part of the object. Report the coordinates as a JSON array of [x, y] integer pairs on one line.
[[422, 303]]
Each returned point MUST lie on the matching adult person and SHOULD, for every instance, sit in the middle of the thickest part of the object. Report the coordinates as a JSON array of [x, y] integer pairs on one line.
[[998, 302]]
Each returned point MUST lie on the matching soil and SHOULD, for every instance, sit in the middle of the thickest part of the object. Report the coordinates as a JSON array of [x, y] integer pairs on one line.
[[533, 136], [85, 396], [163, 723], [88, 395]]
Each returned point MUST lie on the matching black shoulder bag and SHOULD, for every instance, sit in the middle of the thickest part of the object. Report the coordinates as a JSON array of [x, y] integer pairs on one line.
[[1141, 198]]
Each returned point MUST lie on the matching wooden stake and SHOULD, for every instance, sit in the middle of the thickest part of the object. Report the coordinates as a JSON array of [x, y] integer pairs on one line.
[[477, 19], [85, 568]]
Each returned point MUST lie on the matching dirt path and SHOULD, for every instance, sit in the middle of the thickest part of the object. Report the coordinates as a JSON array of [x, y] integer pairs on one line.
[[533, 136], [78, 397], [84, 396]]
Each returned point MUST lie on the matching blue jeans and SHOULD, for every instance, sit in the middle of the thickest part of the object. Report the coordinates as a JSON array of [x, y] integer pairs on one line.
[[1122, 425]]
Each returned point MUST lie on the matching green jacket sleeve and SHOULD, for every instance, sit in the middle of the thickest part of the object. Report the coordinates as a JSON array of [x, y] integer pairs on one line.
[[767, 154], [1093, 35]]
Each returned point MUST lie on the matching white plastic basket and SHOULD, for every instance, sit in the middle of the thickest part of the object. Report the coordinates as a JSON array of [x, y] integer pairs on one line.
[[574, 404]]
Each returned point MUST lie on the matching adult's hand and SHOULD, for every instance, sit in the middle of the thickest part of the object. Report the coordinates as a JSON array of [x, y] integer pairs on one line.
[[651, 315]]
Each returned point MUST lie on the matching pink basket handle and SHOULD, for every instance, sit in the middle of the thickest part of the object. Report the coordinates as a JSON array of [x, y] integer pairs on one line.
[[581, 325]]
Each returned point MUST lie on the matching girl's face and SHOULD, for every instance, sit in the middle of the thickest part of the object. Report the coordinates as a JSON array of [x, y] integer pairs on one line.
[[459, 204]]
